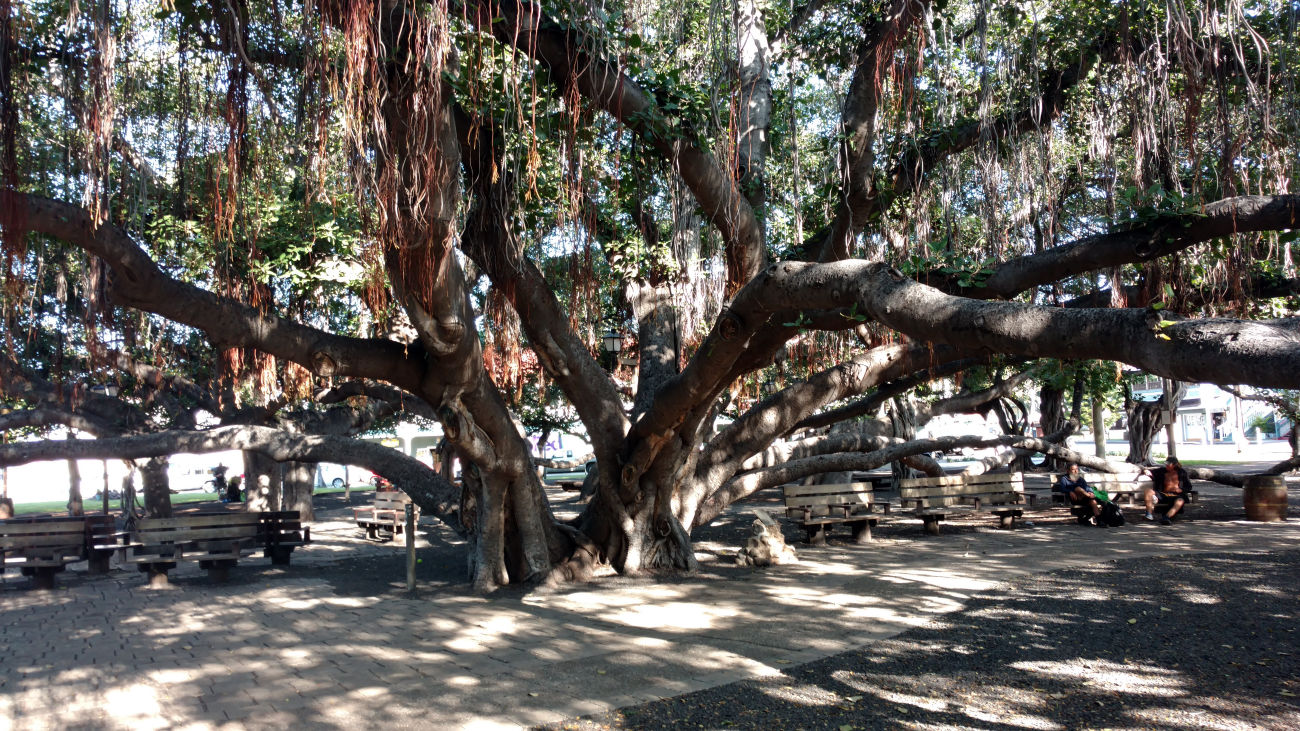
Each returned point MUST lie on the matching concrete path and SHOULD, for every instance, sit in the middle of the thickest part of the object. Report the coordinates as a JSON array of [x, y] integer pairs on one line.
[[281, 648]]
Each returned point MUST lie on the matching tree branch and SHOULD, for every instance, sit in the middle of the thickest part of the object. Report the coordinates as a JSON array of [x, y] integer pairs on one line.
[[137, 281], [569, 64], [1205, 350], [425, 486]]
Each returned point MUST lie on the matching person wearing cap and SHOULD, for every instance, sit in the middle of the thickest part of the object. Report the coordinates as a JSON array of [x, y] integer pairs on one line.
[[1170, 486]]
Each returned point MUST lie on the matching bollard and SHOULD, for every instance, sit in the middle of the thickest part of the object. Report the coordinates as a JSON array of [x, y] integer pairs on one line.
[[410, 547]]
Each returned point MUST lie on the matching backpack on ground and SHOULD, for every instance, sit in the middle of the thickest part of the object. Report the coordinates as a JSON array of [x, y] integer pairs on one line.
[[1111, 515]]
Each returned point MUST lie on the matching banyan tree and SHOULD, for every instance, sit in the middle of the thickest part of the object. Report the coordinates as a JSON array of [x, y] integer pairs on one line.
[[788, 211]]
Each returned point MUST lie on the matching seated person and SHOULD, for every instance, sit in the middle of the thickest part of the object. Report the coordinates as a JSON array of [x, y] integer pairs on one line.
[[1076, 489], [1170, 486]]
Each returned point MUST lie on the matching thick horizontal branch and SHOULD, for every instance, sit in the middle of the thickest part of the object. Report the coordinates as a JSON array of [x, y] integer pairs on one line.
[[425, 486], [1260, 353]]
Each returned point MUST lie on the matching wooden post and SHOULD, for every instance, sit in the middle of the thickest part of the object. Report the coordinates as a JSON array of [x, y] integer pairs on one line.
[[410, 547]]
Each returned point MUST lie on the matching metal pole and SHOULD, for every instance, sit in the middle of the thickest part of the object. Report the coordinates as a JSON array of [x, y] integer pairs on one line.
[[104, 463], [410, 547]]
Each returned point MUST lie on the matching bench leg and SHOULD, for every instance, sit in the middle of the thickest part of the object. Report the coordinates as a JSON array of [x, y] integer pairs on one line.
[[98, 562], [157, 573], [817, 534], [931, 524], [43, 578], [218, 570], [279, 555], [862, 531]]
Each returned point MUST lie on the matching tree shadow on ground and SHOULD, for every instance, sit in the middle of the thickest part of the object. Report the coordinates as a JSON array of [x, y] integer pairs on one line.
[[1172, 642]]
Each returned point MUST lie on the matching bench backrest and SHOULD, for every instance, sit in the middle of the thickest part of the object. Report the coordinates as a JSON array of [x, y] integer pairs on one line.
[[818, 499], [43, 536], [198, 527], [954, 489], [1110, 482], [391, 500]]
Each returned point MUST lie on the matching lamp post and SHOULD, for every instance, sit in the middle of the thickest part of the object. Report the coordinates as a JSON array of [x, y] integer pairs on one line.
[[612, 344]]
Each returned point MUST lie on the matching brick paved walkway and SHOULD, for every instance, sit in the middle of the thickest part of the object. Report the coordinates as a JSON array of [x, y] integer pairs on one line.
[[296, 646]]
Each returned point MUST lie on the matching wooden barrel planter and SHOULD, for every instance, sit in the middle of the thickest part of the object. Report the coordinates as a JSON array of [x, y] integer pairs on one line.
[[1265, 497]]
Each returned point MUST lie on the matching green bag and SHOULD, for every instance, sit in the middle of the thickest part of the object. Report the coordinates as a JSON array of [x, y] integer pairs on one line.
[[1101, 494]]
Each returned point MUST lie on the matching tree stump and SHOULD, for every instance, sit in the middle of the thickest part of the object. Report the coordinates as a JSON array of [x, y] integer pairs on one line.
[[766, 546]]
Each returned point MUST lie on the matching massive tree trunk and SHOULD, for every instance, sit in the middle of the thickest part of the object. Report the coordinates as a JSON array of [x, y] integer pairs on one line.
[[902, 417], [1051, 417], [157, 488], [298, 481], [1144, 421], [262, 482]]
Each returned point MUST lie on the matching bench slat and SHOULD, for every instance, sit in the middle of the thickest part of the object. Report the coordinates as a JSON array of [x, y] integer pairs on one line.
[[852, 499], [63, 539], [178, 535], [958, 491], [77, 527], [848, 488], [189, 521], [961, 480]]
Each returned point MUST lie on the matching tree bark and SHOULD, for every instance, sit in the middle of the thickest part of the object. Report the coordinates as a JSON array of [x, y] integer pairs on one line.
[[263, 479], [75, 506], [1099, 425], [1144, 421], [157, 487], [298, 481], [1051, 417]]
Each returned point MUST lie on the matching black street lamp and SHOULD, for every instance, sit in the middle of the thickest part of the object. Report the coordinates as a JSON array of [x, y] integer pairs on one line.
[[612, 343]]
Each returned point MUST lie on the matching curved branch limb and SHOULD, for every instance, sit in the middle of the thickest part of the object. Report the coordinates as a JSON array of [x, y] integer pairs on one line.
[[872, 403], [138, 282], [116, 415], [1145, 242], [47, 417], [858, 124]]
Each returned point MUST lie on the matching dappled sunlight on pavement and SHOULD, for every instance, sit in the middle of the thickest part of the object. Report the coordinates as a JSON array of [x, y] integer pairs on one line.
[[332, 641]]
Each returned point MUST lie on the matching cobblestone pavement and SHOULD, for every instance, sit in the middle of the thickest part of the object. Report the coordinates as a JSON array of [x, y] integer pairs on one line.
[[333, 641]]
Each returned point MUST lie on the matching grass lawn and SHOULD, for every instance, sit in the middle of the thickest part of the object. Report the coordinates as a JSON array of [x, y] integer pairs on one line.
[[115, 505]]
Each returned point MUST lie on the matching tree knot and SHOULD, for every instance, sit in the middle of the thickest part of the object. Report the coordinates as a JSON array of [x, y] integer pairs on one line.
[[322, 364], [730, 325]]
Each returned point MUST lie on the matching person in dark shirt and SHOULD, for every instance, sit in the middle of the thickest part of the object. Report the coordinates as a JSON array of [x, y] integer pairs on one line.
[[1077, 491], [1170, 486]]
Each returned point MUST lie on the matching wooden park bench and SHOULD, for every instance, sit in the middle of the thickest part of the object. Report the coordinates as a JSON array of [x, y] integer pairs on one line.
[[216, 540], [818, 507], [383, 519], [282, 531], [1129, 488], [933, 498], [42, 546]]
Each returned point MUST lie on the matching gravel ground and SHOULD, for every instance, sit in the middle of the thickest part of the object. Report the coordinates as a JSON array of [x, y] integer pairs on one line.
[[1180, 642]]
